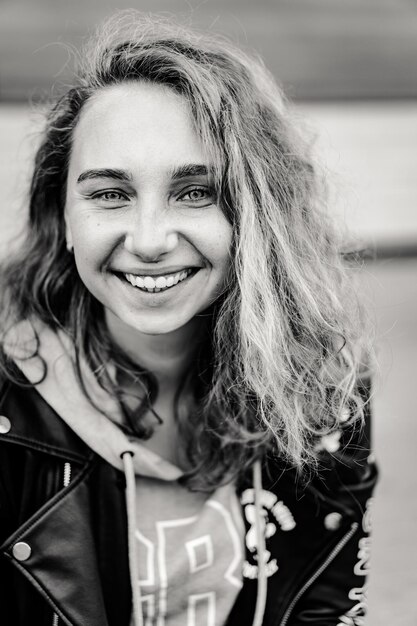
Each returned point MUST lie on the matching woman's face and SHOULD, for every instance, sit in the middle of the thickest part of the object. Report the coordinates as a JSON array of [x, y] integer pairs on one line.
[[150, 241]]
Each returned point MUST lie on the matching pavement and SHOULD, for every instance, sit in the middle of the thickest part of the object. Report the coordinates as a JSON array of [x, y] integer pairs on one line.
[[370, 153], [391, 286]]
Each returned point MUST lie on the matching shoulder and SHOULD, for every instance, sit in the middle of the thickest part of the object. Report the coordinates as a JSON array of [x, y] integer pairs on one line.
[[346, 471], [29, 422], [347, 452]]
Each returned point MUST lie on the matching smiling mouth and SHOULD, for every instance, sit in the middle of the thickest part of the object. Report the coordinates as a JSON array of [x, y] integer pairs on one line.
[[152, 284]]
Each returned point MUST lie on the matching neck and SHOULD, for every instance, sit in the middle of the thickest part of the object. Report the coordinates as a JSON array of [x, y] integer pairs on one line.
[[167, 356]]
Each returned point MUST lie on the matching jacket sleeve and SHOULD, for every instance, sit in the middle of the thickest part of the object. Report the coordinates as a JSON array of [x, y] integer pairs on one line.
[[337, 595], [10, 473]]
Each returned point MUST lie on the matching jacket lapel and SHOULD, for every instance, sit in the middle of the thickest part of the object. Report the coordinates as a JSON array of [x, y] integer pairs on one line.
[[59, 555]]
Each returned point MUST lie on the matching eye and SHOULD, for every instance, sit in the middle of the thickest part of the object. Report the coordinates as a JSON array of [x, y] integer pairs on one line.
[[110, 196], [200, 196]]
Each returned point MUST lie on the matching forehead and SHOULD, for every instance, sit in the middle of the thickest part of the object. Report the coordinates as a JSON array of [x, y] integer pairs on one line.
[[135, 123]]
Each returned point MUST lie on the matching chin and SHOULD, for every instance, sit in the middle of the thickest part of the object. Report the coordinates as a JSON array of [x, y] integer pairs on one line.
[[159, 327]]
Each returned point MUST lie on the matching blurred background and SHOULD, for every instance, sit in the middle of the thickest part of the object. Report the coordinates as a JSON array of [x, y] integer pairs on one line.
[[350, 66]]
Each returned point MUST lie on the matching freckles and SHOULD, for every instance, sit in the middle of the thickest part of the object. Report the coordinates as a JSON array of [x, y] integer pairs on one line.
[[89, 229], [223, 243], [88, 239], [219, 236]]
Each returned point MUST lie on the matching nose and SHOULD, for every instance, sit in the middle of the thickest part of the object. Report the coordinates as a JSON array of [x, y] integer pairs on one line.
[[150, 234]]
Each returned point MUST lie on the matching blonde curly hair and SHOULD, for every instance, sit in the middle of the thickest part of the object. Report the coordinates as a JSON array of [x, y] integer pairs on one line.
[[286, 340]]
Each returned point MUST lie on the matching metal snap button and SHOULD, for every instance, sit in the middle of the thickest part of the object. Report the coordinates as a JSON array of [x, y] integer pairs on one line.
[[21, 551], [332, 521], [5, 424]]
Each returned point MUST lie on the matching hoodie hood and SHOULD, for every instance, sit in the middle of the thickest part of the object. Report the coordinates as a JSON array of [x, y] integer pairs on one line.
[[61, 390]]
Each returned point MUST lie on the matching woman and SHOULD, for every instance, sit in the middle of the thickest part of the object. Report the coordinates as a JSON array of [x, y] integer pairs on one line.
[[179, 332]]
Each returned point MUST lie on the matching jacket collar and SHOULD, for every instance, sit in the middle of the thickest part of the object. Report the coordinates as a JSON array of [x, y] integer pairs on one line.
[[34, 424]]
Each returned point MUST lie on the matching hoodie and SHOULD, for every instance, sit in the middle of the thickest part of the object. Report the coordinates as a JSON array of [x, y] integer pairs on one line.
[[208, 526]]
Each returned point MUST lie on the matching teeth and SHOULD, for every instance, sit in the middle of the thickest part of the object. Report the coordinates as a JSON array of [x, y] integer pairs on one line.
[[149, 282], [159, 284]]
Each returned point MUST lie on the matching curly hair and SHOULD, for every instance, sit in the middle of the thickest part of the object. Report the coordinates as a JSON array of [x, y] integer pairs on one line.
[[286, 341]]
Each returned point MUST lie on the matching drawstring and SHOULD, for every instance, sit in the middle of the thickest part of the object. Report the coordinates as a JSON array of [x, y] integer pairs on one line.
[[260, 542], [127, 457], [131, 531]]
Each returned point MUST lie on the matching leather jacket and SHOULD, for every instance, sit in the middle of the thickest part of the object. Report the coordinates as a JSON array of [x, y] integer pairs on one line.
[[63, 538]]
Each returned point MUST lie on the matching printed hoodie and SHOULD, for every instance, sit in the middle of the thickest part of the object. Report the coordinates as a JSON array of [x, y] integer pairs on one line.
[[190, 544]]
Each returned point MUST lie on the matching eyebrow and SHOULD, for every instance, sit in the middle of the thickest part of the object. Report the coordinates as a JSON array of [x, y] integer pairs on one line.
[[105, 173], [186, 171], [182, 171]]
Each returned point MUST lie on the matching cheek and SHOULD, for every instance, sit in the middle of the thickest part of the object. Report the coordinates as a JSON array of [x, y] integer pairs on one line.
[[220, 246], [91, 244]]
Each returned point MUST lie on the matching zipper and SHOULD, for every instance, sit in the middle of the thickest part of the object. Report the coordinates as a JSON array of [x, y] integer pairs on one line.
[[67, 474], [333, 554], [65, 482]]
